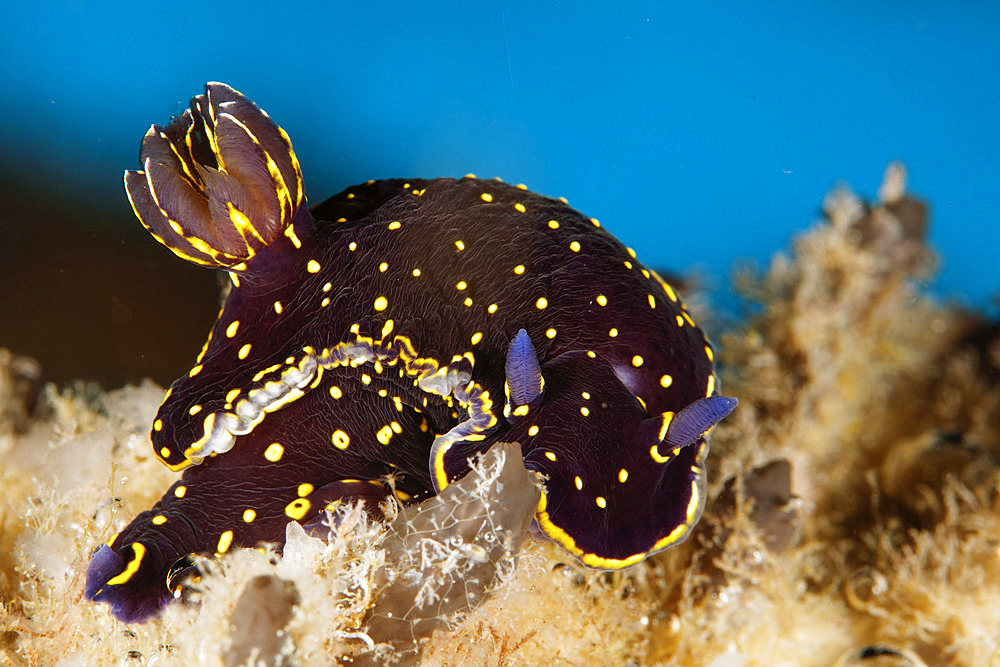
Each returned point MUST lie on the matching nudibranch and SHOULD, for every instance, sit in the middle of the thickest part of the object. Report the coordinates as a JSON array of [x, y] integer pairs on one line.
[[373, 344]]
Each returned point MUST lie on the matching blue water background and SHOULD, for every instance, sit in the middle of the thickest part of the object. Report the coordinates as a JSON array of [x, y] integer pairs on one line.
[[699, 133]]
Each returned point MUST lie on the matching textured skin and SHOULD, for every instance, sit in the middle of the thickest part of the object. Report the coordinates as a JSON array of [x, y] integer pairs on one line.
[[392, 307]]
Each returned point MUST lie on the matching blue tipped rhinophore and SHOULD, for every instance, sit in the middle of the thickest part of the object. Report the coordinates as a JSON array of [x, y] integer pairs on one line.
[[524, 375], [691, 423]]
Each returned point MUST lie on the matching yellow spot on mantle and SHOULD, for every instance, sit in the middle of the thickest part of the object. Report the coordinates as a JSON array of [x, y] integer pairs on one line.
[[550, 456], [244, 351], [574, 246], [519, 207], [622, 475], [297, 509], [519, 269], [542, 303], [613, 333], [395, 224], [550, 333], [381, 303], [601, 300], [278, 307], [578, 482], [312, 266], [585, 411], [533, 430], [180, 491], [232, 328], [666, 381], [461, 285], [225, 541], [159, 520], [274, 452], [476, 337], [637, 361], [492, 308], [553, 224], [249, 515], [340, 439], [335, 392], [601, 502], [486, 197], [305, 489], [158, 425]]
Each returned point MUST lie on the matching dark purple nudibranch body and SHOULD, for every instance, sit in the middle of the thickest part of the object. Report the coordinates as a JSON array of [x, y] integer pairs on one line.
[[373, 344]]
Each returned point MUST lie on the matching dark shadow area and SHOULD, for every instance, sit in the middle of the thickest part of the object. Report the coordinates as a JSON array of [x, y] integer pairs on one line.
[[86, 291]]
